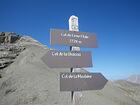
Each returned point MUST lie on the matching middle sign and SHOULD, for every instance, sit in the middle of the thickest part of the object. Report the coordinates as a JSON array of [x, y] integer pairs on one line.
[[73, 38], [67, 59]]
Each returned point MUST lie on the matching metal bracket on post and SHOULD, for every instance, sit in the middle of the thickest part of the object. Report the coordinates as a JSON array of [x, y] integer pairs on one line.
[[73, 26]]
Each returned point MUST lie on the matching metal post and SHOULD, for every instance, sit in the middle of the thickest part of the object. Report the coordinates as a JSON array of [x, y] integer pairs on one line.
[[73, 26]]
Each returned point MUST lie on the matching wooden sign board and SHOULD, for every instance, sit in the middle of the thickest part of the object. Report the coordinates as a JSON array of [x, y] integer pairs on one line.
[[73, 38], [81, 81], [67, 59]]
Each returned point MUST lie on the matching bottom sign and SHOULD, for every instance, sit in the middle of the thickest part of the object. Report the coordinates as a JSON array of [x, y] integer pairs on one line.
[[81, 81]]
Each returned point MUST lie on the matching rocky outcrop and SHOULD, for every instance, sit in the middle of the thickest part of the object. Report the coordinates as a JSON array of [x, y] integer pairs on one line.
[[8, 52], [8, 37], [9, 49]]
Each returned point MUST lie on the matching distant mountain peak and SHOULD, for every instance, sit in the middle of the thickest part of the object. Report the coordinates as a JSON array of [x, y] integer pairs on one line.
[[134, 79]]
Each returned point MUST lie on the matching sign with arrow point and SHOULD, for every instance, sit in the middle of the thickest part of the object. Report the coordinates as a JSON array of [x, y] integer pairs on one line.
[[81, 81], [67, 59]]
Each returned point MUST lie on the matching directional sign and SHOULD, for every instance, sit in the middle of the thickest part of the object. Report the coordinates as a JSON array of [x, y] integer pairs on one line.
[[61, 59], [73, 38], [81, 81]]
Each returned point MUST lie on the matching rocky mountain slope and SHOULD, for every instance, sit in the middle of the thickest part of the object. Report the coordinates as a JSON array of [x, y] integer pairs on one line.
[[27, 80]]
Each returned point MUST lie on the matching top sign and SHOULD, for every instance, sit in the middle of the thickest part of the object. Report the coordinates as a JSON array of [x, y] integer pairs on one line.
[[73, 38]]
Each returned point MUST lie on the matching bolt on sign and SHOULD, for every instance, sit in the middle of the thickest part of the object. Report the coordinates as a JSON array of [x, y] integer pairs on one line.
[[73, 38], [67, 59], [81, 81]]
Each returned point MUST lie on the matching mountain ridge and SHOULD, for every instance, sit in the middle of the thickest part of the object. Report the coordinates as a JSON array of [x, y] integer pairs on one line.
[[29, 81]]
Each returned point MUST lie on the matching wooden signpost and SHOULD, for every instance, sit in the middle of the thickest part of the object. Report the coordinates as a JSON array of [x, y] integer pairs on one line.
[[74, 26], [74, 59]]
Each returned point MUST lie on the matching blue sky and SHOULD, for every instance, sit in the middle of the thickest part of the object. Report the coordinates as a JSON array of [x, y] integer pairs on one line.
[[116, 23]]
